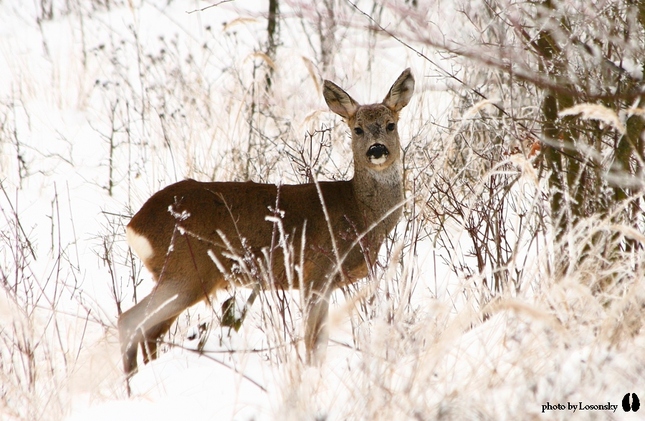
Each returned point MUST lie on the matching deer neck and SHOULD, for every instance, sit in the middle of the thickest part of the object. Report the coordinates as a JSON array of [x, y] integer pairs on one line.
[[379, 193]]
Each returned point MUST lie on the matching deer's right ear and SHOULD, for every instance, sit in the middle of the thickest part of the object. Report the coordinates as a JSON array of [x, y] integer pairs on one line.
[[339, 101]]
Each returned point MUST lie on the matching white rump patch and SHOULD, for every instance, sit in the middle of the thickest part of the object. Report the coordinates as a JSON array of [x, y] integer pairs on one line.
[[139, 244]]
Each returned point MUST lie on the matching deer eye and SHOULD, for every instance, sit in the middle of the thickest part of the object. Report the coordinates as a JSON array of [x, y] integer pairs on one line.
[[358, 131], [390, 127]]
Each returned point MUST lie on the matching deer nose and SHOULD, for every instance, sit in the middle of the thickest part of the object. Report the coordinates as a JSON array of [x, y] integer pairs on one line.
[[377, 153]]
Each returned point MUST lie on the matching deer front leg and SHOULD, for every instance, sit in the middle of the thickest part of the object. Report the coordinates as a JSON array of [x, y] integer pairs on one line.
[[316, 330]]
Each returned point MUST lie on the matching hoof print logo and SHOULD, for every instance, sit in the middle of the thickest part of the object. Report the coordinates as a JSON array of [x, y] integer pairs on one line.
[[634, 405]]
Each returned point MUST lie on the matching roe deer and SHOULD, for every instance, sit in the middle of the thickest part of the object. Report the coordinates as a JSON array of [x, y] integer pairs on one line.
[[187, 233]]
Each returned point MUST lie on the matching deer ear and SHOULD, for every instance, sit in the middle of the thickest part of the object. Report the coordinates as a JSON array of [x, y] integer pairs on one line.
[[401, 92], [339, 101]]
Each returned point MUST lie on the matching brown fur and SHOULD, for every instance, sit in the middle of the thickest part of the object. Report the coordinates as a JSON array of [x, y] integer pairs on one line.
[[195, 230]]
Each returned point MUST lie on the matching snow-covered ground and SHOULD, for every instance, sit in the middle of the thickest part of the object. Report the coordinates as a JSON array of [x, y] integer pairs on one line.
[[100, 106]]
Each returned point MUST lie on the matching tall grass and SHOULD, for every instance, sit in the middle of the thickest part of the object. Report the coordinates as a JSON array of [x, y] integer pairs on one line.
[[464, 316]]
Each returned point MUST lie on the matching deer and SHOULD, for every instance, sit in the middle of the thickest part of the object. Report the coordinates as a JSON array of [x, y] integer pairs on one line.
[[188, 234]]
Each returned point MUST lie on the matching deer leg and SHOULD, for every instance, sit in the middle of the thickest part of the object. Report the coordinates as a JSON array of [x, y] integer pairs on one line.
[[316, 330], [153, 336], [144, 323]]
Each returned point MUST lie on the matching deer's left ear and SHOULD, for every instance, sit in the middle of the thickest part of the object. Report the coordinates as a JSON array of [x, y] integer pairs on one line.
[[401, 92]]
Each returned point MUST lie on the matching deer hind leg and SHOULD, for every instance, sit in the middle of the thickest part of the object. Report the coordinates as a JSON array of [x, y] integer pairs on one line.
[[147, 321], [316, 329], [152, 337]]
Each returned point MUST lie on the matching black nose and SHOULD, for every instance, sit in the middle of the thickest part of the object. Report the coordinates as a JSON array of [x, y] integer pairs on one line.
[[377, 151]]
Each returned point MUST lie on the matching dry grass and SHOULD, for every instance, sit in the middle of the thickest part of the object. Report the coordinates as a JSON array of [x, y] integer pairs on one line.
[[464, 317]]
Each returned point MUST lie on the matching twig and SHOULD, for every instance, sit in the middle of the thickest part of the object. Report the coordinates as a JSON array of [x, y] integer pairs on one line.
[[208, 7]]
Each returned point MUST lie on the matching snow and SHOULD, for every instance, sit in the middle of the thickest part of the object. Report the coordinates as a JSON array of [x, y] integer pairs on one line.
[[101, 107]]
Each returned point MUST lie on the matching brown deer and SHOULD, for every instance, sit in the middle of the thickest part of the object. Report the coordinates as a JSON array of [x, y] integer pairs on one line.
[[190, 234]]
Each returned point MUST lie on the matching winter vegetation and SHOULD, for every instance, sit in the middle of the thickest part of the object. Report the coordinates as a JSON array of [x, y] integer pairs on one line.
[[512, 287]]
